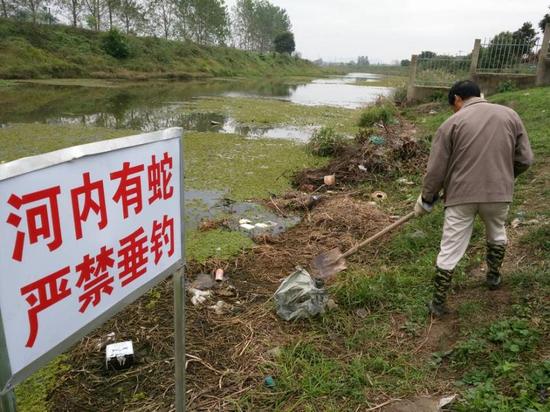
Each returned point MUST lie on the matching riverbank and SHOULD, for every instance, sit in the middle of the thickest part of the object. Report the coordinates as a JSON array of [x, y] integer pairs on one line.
[[378, 344], [29, 51]]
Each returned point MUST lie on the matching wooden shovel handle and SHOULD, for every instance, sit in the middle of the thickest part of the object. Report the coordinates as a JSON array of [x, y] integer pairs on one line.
[[377, 235]]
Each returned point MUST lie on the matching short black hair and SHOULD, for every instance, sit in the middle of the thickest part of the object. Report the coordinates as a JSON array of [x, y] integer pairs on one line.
[[465, 89]]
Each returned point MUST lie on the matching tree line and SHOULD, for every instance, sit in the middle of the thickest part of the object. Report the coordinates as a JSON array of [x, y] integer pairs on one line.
[[255, 25]]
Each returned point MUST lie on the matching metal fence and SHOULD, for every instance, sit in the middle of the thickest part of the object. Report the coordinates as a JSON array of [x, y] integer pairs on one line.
[[441, 71], [509, 55]]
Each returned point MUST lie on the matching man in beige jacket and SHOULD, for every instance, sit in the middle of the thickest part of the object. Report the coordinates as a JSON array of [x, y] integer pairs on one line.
[[476, 155]]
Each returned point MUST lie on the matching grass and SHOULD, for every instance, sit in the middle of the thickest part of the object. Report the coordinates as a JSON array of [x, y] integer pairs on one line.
[[32, 394], [56, 51]]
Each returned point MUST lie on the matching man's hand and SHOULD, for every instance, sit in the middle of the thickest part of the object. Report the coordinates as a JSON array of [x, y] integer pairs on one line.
[[421, 207]]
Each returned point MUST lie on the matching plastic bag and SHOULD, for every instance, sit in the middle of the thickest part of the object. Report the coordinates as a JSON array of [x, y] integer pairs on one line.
[[299, 296]]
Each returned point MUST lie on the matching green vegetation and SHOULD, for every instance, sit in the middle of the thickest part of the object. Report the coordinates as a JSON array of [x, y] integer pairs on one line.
[[264, 112], [217, 243], [326, 142], [115, 44], [247, 169], [38, 51], [383, 113], [32, 394]]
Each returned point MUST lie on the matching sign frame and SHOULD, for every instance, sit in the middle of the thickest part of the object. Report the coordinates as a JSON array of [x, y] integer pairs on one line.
[[39, 162]]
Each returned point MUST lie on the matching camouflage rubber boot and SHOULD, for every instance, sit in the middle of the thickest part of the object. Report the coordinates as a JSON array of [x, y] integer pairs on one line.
[[442, 283], [495, 256]]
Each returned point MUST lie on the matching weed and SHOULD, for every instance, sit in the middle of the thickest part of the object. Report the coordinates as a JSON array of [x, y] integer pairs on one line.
[[383, 113], [326, 142], [506, 86], [115, 44]]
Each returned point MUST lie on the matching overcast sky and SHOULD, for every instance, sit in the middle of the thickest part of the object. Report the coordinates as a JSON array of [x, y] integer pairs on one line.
[[386, 30]]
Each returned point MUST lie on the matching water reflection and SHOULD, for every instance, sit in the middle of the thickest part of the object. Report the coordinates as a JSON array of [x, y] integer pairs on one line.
[[151, 106]]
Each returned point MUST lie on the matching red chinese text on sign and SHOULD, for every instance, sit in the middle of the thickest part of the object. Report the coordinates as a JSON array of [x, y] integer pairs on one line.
[[41, 295], [129, 188], [82, 210], [159, 175], [133, 256], [42, 218], [94, 277], [162, 235]]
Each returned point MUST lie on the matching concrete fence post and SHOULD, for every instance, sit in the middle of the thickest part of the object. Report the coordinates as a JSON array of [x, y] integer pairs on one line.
[[412, 78], [475, 58], [543, 55]]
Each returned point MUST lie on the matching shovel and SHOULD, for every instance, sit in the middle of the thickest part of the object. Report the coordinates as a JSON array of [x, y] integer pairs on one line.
[[330, 263]]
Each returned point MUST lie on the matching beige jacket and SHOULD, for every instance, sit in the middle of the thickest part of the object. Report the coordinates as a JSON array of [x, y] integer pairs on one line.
[[476, 154]]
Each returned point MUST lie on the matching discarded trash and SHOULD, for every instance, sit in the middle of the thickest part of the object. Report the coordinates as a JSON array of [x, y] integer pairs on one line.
[[227, 291], [362, 313], [404, 181], [421, 404], [269, 382], [274, 353], [199, 296], [221, 307], [265, 225], [378, 195], [379, 140], [247, 226], [299, 296], [214, 123], [329, 180], [218, 275], [202, 282], [108, 338], [363, 168], [119, 355]]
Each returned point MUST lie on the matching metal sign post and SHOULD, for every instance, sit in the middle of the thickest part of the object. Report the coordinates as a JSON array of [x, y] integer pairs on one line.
[[85, 232], [179, 310]]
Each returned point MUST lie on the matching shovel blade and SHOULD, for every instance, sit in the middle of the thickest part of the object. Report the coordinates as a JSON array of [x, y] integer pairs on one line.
[[328, 264]]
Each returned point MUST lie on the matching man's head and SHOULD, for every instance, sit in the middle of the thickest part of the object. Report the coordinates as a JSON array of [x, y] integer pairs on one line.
[[462, 91]]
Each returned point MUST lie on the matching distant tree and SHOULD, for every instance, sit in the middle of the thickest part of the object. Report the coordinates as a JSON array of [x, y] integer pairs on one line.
[[362, 61], [132, 15], [545, 20], [94, 13], [405, 62], [426, 54], [9, 7], [526, 33], [284, 43], [256, 23], [73, 8], [203, 21], [162, 17], [34, 8]]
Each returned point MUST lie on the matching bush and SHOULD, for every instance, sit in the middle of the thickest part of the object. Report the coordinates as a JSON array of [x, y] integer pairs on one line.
[[381, 113], [115, 44], [506, 86], [400, 95], [326, 142]]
